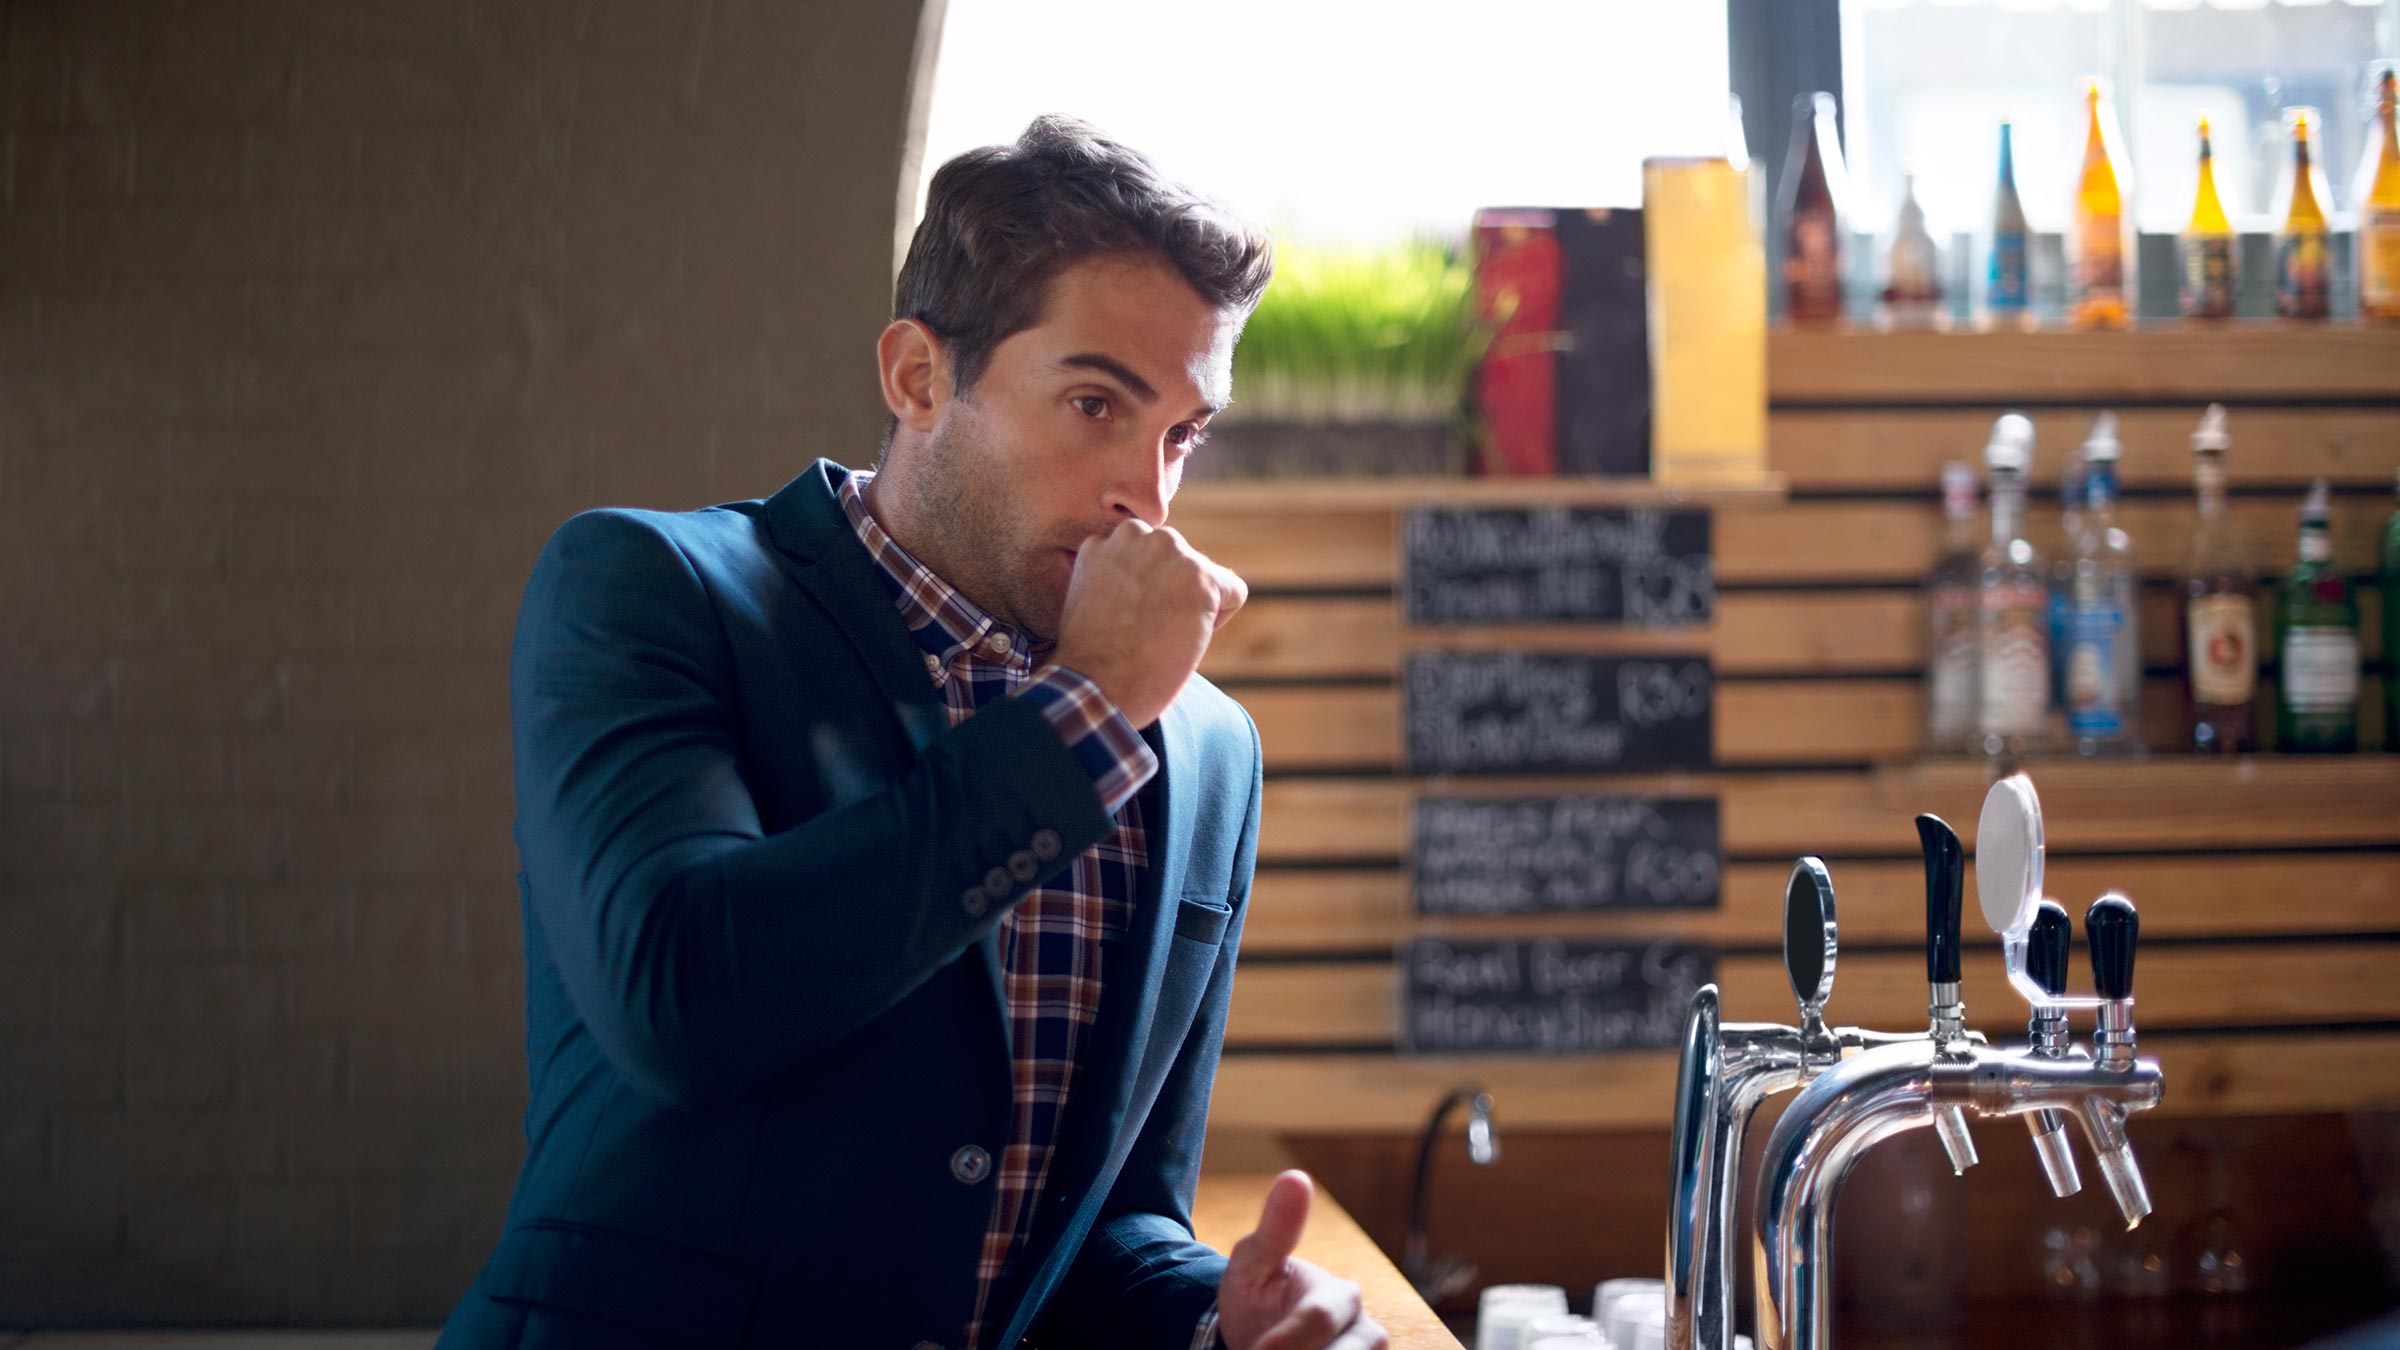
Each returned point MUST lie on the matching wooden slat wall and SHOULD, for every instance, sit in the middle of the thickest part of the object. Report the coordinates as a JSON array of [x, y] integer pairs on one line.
[[1818, 646]]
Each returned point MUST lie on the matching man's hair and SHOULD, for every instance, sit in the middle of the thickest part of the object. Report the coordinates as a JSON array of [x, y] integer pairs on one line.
[[1002, 221]]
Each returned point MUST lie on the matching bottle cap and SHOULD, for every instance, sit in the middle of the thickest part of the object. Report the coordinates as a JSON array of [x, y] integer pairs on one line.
[[2011, 445], [2318, 507], [2211, 434], [2100, 447]]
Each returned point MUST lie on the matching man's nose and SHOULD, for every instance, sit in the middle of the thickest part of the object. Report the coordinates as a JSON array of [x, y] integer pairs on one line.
[[1138, 489]]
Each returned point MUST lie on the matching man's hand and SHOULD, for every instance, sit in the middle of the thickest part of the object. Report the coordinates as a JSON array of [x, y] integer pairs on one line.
[[1141, 607], [1270, 1299]]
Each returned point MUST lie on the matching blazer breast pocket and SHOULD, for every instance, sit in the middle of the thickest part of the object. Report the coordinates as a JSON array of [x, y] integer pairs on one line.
[[1201, 920]]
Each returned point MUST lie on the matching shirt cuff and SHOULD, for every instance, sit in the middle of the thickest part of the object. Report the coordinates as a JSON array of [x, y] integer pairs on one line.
[[1107, 746], [1204, 1337]]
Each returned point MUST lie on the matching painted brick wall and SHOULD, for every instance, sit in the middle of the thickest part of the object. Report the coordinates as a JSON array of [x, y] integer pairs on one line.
[[316, 316]]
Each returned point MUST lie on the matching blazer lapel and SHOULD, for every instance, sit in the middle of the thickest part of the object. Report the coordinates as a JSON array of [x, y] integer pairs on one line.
[[819, 549]]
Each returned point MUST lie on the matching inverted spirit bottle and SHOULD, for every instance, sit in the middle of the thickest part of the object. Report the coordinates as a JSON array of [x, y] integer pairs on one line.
[[2220, 626], [2207, 246], [2008, 287], [2062, 576], [1952, 656], [2101, 293], [1811, 206], [2378, 201], [2104, 653], [2012, 633], [2303, 258], [2316, 643]]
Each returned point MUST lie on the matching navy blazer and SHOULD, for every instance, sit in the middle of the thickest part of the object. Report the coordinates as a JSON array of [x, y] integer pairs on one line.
[[764, 1020]]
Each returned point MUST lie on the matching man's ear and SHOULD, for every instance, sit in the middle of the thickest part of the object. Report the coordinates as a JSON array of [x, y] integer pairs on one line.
[[915, 368]]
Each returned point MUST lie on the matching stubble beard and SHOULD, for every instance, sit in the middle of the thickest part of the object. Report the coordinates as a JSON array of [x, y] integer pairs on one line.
[[972, 539]]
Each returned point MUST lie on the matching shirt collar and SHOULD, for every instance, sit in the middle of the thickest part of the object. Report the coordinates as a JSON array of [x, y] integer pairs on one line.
[[944, 622]]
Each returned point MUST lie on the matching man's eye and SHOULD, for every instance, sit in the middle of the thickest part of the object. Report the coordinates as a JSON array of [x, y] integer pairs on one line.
[[1098, 406], [1189, 436]]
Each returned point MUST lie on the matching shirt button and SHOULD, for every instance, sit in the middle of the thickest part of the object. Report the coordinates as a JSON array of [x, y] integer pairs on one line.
[[1045, 844], [1022, 866], [970, 1165], [996, 883], [1001, 643], [974, 901]]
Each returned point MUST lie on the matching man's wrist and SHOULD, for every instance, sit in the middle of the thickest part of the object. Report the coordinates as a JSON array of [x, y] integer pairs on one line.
[[1102, 740]]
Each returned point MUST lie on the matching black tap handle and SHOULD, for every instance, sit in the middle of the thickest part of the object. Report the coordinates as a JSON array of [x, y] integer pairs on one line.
[[2046, 947], [1945, 883], [2110, 927]]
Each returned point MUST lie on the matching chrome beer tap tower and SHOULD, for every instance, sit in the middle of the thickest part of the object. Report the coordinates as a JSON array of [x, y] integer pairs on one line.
[[1934, 1081], [1729, 1068]]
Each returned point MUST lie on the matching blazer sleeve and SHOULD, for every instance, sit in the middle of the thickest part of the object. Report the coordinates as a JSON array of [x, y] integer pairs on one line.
[[703, 953], [1141, 1278]]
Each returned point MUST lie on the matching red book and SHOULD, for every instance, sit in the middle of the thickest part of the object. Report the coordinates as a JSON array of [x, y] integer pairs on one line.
[[1517, 287]]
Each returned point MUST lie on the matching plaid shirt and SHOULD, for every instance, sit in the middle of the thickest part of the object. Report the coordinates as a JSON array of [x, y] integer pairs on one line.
[[1054, 943]]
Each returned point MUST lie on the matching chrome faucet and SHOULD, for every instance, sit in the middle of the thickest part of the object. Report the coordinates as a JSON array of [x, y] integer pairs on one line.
[[1726, 1070], [1436, 1281], [1890, 1089]]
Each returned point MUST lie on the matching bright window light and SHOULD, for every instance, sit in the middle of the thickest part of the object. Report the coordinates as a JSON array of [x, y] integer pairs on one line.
[[1350, 124]]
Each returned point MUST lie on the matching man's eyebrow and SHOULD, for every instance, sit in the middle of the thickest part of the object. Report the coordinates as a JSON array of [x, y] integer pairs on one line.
[[1123, 374]]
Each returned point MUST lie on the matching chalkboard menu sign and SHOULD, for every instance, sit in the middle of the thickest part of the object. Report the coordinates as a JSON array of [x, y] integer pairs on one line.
[[1475, 565], [1523, 712], [1547, 996], [1524, 855]]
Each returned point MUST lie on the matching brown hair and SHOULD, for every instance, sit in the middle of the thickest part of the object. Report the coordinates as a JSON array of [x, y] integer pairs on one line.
[[1001, 221]]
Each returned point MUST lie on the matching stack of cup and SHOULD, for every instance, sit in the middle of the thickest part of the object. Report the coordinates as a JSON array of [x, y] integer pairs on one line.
[[1624, 1307], [1506, 1310]]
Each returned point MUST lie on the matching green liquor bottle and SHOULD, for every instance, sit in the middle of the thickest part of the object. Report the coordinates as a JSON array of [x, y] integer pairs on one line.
[[2316, 643]]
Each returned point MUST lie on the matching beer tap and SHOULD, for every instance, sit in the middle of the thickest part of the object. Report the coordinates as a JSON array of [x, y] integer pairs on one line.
[[1945, 885], [1726, 1070], [2052, 1036], [1880, 1092]]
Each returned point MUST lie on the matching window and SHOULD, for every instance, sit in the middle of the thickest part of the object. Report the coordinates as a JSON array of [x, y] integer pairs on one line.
[[1915, 103], [1350, 123]]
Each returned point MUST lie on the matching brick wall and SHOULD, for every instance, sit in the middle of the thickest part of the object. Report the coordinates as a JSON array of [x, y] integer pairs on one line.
[[316, 316]]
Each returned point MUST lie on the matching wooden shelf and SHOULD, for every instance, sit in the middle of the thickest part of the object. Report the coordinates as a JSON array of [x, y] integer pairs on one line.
[[2241, 360], [1369, 492]]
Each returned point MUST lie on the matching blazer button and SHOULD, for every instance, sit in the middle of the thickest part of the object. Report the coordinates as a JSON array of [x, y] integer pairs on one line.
[[970, 1165], [996, 883], [928, 1345], [1046, 844], [973, 901], [1022, 866]]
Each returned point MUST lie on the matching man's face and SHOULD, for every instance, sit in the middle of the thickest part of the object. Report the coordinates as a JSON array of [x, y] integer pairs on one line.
[[1077, 423]]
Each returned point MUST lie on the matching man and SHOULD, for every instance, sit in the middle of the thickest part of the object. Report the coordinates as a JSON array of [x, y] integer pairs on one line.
[[884, 858]]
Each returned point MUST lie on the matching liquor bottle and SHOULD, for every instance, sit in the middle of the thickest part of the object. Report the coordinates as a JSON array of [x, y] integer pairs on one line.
[[2012, 689], [2302, 278], [1912, 293], [2102, 289], [2008, 290], [2208, 246], [2378, 201], [1811, 206], [2062, 577], [2387, 580], [1952, 657], [2104, 652], [2316, 643], [2220, 627]]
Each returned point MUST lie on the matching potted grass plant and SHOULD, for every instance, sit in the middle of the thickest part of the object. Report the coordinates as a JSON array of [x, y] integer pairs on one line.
[[1355, 362]]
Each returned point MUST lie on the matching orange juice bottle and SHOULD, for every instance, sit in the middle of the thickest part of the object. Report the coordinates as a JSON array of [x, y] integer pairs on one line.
[[2101, 290], [2378, 201], [2303, 287]]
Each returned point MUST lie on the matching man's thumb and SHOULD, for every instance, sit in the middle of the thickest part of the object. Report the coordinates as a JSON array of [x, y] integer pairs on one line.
[[1282, 1218]]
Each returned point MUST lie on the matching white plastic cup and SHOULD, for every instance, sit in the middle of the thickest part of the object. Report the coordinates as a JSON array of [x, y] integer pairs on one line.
[[1503, 1311], [1609, 1297], [1632, 1316], [1555, 1326]]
